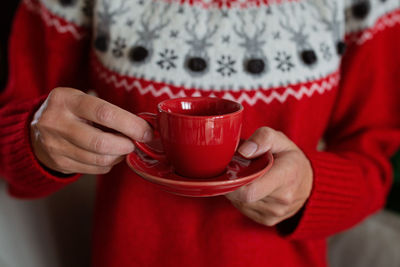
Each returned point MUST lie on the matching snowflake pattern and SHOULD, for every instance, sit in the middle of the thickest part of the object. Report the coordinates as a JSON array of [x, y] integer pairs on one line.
[[119, 46], [226, 39], [174, 33], [167, 59], [226, 66], [284, 61], [326, 51]]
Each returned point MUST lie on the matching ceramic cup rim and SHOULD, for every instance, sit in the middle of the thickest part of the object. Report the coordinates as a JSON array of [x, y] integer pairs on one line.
[[176, 114]]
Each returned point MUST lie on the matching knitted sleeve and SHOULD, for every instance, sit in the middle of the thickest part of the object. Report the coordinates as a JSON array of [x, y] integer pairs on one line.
[[45, 51], [353, 175]]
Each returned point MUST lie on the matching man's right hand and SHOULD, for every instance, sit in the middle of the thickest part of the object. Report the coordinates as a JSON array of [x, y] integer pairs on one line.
[[64, 138]]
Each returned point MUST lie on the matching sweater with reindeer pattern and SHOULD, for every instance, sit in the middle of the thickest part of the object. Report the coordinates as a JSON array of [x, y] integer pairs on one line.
[[313, 69]]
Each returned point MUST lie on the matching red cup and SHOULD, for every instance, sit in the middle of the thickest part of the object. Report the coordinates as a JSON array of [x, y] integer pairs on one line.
[[199, 135]]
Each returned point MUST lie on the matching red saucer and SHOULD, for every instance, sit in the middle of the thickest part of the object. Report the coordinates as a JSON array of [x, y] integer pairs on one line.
[[239, 172]]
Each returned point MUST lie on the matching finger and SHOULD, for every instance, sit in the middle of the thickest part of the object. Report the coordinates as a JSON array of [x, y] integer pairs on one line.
[[265, 139], [89, 158], [60, 148], [69, 166], [266, 184], [94, 140], [273, 207], [268, 213], [267, 218], [259, 217], [101, 112]]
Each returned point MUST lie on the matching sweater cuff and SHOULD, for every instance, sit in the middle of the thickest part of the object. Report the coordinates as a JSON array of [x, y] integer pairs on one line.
[[26, 177], [334, 199]]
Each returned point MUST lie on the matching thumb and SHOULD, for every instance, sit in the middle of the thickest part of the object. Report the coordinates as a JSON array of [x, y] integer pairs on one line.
[[265, 139]]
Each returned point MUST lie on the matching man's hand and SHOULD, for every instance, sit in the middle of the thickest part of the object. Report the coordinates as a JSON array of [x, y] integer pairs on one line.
[[284, 189], [64, 139]]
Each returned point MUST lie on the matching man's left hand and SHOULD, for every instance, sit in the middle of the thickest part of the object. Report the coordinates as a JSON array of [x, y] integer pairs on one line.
[[282, 191]]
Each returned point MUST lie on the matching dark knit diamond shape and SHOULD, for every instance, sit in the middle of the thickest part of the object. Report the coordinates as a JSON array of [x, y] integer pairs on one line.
[[101, 43], [361, 9], [309, 57], [67, 2], [255, 66], [340, 47], [197, 64], [138, 54]]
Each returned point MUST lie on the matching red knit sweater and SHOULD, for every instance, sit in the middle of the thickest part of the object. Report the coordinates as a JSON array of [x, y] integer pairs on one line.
[[283, 61]]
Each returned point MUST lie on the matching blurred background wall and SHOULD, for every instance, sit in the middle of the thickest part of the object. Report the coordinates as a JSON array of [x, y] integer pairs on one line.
[[48, 232], [55, 231]]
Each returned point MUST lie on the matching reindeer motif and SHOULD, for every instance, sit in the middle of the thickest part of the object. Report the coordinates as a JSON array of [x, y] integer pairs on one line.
[[143, 49], [197, 60], [305, 51], [332, 23], [105, 19], [254, 62]]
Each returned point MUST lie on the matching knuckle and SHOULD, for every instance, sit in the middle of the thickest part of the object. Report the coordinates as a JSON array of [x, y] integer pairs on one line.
[[61, 163], [247, 199], [266, 135], [104, 113], [279, 212], [143, 126], [99, 144], [103, 161], [50, 121], [56, 96], [265, 131], [103, 170], [288, 198], [45, 121], [250, 193], [269, 221], [247, 195], [51, 146], [79, 99]]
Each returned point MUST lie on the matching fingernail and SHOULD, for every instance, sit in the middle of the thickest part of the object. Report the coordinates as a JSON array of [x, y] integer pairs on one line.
[[148, 135], [248, 148]]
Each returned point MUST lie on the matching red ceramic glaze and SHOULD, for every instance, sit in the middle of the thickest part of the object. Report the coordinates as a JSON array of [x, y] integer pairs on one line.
[[239, 172], [199, 135]]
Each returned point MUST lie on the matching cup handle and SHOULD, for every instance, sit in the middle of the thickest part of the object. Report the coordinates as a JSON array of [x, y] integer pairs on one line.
[[151, 118]]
